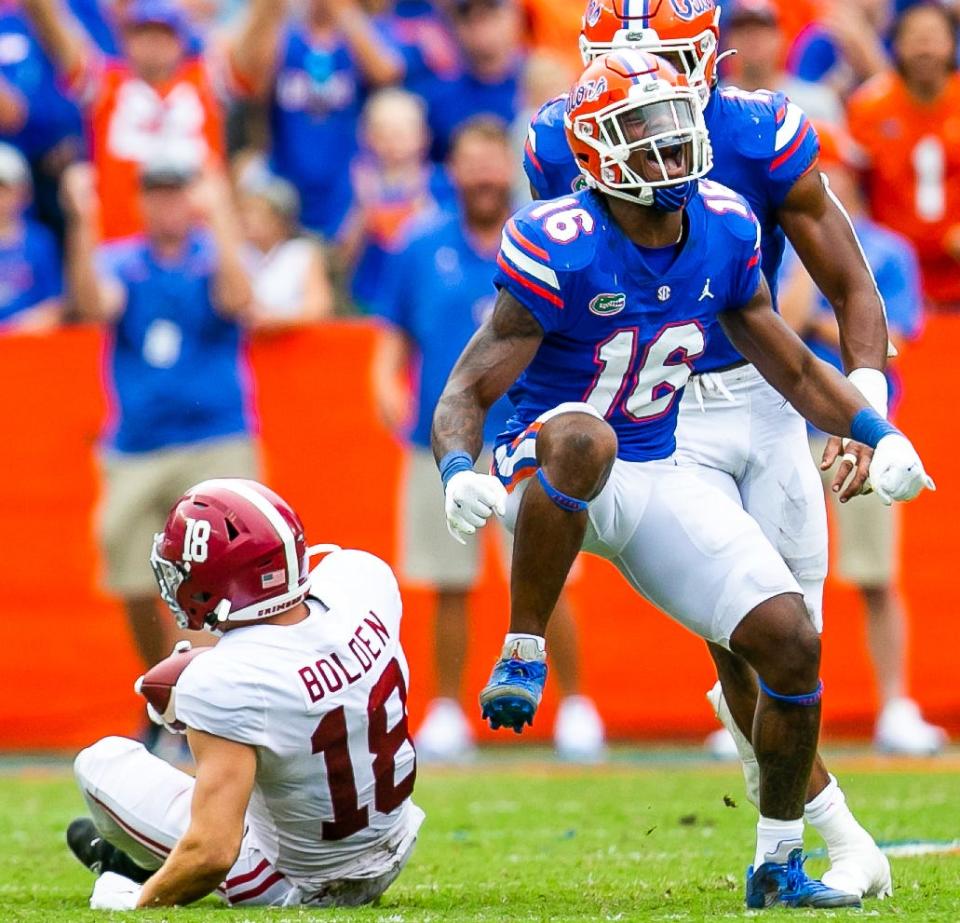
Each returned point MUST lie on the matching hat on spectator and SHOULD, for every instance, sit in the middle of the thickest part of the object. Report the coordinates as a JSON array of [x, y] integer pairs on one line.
[[760, 12], [14, 170], [255, 179], [156, 13], [163, 171]]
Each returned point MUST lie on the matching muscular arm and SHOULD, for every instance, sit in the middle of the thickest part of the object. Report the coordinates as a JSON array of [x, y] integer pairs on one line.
[[205, 853], [824, 240], [817, 390], [254, 48], [62, 36], [492, 361], [379, 63], [13, 108]]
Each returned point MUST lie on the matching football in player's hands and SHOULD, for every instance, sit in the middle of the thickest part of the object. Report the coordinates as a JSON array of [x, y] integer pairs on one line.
[[158, 684]]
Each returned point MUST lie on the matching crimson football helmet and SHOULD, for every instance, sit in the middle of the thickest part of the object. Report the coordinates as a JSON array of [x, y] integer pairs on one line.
[[630, 104], [231, 551], [684, 32]]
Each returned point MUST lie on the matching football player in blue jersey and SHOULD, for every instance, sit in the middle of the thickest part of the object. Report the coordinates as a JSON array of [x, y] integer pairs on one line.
[[597, 324], [732, 425]]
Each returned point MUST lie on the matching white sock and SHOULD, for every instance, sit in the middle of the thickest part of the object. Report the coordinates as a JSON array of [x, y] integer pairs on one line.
[[829, 815], [526, 647], [776, 839]]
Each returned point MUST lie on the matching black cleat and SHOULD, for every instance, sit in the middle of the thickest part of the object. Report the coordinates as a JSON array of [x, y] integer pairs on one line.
[[98, 855]]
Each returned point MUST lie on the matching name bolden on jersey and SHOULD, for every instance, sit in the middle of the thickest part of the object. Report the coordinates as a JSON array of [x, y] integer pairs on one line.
[[340, 669]]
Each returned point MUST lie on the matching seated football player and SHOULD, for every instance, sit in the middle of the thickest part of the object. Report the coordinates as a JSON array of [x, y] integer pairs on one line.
[[599, 320], [296, 719]]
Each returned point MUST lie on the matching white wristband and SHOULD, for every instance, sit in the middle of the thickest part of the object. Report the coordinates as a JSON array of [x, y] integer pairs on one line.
[[872, 384]]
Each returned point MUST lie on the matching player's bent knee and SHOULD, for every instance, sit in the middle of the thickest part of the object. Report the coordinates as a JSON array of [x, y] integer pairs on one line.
[[107, 751], [577, 451], [779, 641]]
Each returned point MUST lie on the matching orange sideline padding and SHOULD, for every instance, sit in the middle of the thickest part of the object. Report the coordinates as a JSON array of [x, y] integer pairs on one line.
[[68, 666]]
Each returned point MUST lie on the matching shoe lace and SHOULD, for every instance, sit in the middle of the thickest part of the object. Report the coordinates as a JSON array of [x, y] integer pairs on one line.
[[710, 383], [796, 876], [520, 669]]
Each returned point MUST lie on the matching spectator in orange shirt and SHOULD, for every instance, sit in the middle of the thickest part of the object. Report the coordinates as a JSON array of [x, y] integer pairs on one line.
[[908, 123], [157, 98]]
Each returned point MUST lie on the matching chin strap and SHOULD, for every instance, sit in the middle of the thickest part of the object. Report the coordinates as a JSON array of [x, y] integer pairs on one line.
[[314, 550], [729, 53]]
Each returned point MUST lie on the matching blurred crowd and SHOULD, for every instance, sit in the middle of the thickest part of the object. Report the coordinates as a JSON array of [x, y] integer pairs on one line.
[[188, 171]]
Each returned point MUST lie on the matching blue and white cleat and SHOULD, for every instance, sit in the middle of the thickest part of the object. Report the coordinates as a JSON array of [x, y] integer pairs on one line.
[[788, 885], [513, 694]]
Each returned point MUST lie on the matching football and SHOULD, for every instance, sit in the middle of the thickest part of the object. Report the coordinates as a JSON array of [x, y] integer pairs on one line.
[[158, 683]]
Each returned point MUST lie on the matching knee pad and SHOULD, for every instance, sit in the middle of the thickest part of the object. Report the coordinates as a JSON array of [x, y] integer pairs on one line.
[[806, 699], [559, 498]]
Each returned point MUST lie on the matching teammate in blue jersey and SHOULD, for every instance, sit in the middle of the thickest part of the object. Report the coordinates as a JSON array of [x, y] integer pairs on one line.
[[606, 299], [733, 427]]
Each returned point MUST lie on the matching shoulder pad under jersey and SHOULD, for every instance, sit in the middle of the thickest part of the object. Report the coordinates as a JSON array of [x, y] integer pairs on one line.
[[546, 136], [751, 120], [560, 233]]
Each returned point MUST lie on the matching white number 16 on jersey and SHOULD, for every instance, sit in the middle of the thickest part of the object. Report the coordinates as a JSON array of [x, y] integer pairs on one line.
[[658, 376]]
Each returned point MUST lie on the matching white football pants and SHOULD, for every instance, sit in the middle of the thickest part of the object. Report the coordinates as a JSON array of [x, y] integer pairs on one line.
[[682, 543], [742, 437], [141, 805]]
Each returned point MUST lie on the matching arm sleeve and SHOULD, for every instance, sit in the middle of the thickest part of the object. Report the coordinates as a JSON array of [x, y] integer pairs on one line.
[[796, 149], [215, 697], [524, 269]]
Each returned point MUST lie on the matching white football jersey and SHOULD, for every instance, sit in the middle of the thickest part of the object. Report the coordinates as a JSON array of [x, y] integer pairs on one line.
[[324, 703]]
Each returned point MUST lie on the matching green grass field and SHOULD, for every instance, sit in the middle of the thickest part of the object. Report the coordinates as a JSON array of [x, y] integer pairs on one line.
[[644, 838]]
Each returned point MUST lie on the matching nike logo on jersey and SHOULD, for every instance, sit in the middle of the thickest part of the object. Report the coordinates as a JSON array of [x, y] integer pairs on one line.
[[706, 293]]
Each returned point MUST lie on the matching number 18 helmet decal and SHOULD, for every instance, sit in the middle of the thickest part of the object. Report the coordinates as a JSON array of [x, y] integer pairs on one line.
[[636, 129], [231, 550], [684, 32]]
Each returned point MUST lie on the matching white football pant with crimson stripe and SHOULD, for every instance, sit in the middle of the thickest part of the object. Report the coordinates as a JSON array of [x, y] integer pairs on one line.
[[141, 805]]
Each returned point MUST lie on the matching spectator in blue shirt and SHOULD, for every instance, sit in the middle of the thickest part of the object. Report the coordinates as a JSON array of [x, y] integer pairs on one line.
[[30, 276], [489, 35], [321, 69], [35, 115], [866, 546], [393, 182], [173, 301], [435, 292], [845, 46], [422, 34]]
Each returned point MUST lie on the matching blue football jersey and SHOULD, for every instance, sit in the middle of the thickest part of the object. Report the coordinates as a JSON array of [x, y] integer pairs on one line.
[[618, 334], [762, 144]]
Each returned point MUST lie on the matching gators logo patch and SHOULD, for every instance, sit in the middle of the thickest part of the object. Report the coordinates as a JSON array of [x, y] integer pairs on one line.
[[607, 303]]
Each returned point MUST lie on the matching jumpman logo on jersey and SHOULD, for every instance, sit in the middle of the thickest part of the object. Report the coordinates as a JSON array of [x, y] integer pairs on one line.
[[706, 293]]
